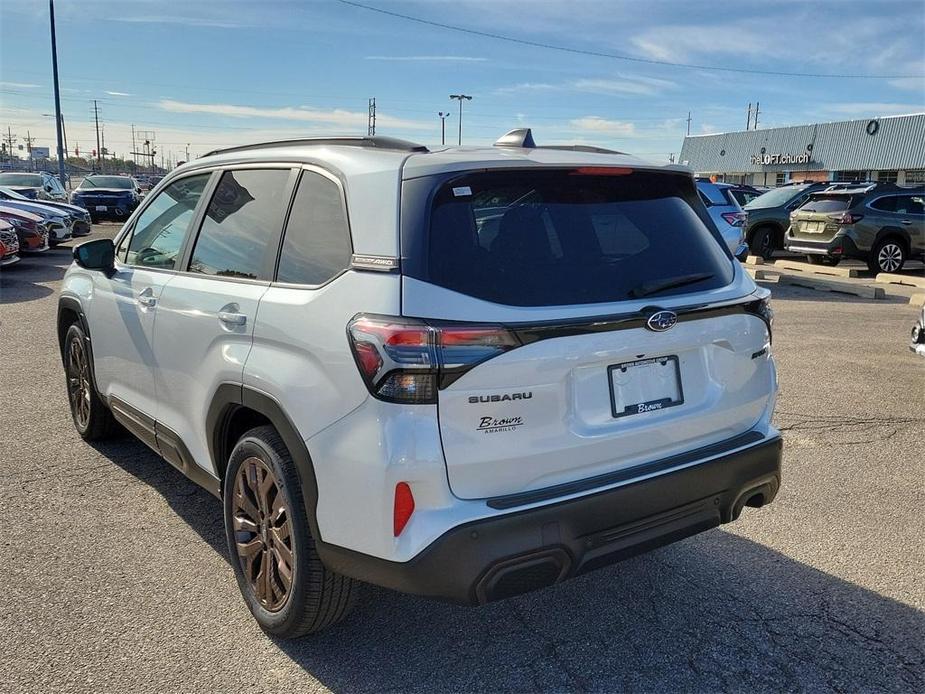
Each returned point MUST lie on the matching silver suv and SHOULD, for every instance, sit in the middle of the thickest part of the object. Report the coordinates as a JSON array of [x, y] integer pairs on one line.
[[462, 373]]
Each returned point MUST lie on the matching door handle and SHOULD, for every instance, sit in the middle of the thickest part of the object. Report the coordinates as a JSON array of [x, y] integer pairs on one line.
[[146, 298], [232, 319], [906, 221]]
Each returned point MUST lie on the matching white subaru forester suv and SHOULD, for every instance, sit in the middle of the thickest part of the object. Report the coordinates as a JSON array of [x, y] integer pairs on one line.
[[464, 373]]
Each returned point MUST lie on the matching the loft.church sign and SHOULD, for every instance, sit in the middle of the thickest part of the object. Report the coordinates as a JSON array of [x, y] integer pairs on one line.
[[778, 158]]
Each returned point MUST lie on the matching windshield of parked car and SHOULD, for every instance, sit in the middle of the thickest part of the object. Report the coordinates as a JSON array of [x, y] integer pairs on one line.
[[107, 182], [10, 194], [561, 237], [21, 179], [776, 197]]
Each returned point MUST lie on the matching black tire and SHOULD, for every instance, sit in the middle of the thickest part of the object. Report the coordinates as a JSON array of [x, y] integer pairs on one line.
[[92, 419], [887, 255], [815, 259], [317, 597], [763, 242]]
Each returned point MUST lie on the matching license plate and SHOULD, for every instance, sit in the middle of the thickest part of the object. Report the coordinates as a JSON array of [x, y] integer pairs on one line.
[[645, 385], [814, 227], [101, 208]]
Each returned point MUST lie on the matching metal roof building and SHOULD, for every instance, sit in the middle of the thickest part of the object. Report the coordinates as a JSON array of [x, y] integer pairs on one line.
[[887, 148]]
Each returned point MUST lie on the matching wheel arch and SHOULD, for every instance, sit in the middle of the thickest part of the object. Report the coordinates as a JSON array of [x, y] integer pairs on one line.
[[236, 408], [776, 230], [902, 235], [70, 312]]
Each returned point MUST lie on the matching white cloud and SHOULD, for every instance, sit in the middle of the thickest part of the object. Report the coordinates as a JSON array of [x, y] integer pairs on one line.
[[177, 19], [527, 87], [338, 117], [428, 58], [872, 108], [916, 84], [117, 93], [623, 85], [19, 85], [602, 125]]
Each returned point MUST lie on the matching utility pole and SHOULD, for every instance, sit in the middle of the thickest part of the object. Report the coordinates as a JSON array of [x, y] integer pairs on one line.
[[688, 123], [748, 123], [134, 163], [96, 118], [460, 98], [371, 120], [187, 151], [443, 116], [102, 150], [756, 115], [62, 177], [29, 141], [10, 139]]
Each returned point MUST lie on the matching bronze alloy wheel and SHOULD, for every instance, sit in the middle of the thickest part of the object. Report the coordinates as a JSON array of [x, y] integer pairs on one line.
[[78, 383], [263, 535]]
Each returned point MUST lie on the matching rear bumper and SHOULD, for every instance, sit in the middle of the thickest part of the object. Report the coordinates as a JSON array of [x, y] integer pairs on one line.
[[837, 247], [498, 557]]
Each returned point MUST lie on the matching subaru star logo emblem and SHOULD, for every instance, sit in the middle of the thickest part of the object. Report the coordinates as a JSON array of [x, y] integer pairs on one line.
[[660, 321]]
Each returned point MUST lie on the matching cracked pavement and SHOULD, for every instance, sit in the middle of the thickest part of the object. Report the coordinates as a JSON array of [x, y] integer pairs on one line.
[[115, 575]]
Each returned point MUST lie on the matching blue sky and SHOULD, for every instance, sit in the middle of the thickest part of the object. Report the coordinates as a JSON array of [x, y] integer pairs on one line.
[[221, 72]]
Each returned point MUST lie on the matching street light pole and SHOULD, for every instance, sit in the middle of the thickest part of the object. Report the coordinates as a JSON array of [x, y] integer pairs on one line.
[[443, 117], [460, 98], [54, 67]]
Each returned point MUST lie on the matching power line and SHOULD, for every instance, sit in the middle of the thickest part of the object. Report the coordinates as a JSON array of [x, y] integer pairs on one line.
[[612, 56]]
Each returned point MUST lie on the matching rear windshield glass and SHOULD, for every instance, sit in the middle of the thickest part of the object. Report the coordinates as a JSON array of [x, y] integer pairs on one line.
[[828, 203], [18, 179], [107, 182], [563, 237]]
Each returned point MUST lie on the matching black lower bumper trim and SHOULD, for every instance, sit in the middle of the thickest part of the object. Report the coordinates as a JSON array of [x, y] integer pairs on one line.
[[497, 557]]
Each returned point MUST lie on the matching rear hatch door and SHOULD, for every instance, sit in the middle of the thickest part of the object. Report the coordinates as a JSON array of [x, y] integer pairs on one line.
[[582, 273], [818, 219]]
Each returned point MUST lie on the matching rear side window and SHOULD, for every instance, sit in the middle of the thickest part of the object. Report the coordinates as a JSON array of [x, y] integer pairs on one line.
[[887, 204], [242, 223], [829, 203], [316, 246], [562, 237], [910, 204], [161, 228]]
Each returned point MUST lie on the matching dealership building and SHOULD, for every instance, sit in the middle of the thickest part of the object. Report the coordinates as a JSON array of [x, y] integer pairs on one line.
[[887, 148]]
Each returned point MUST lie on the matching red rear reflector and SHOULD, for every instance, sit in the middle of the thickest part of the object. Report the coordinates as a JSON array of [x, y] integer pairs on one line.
[[601, 171], [404, 507]]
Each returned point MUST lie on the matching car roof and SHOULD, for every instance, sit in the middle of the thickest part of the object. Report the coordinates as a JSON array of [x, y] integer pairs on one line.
[[358, 155]]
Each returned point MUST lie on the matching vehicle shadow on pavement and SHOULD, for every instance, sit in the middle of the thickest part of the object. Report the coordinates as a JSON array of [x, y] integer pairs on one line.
[[25, 281], [714, 612]]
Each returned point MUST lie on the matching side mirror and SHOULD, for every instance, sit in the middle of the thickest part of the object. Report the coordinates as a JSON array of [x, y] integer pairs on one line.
[[47, 187], [99, 254], [741, 252]]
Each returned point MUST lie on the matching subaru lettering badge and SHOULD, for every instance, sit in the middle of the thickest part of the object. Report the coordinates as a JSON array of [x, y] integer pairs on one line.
[[660, 321]]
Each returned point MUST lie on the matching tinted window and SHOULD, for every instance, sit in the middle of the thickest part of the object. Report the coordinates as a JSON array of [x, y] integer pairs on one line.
[[532, 238], [776, 197], [828, 203], [317, 242], [887, 204], [244, 216], [121, 182], [17, 179], [910, 204], [162, 226]]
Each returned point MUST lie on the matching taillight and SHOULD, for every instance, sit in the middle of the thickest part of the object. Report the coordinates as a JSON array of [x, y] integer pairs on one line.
[[762, 309], [407, 360], [735, 219], [403, 507], [846, 218]]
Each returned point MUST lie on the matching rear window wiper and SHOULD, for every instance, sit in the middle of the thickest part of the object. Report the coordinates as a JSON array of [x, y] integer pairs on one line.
[[661, 285]]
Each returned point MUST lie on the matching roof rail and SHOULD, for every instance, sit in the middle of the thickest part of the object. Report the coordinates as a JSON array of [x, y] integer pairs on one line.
[[376, 142]]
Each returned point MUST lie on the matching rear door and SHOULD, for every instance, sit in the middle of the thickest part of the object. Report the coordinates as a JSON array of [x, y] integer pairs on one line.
[[818, 219], [207, 313], [573, 264]]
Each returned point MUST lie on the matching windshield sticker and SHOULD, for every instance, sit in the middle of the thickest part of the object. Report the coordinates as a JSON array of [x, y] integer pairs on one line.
[[462, 191]]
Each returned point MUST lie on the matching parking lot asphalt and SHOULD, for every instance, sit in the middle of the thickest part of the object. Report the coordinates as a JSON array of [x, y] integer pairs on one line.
[[116, 578]]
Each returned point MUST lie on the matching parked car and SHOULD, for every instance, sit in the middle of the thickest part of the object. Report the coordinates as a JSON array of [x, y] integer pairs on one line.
[[31, 229], [56, 225], [107, 197], [769, 215], [439, 401], [9, 244], [59, 222], [917, 344], [744, 193], [725, 212], [881, 224], [35, 186], [79, 218]]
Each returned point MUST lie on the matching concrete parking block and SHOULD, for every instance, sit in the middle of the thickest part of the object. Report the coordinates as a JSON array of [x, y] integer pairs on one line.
[[759, 274], [917, 300], [754, 260], [827, 285], [890, 278], [817, 269]]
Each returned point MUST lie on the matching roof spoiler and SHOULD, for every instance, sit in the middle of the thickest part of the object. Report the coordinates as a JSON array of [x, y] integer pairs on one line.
[[522, 138]]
